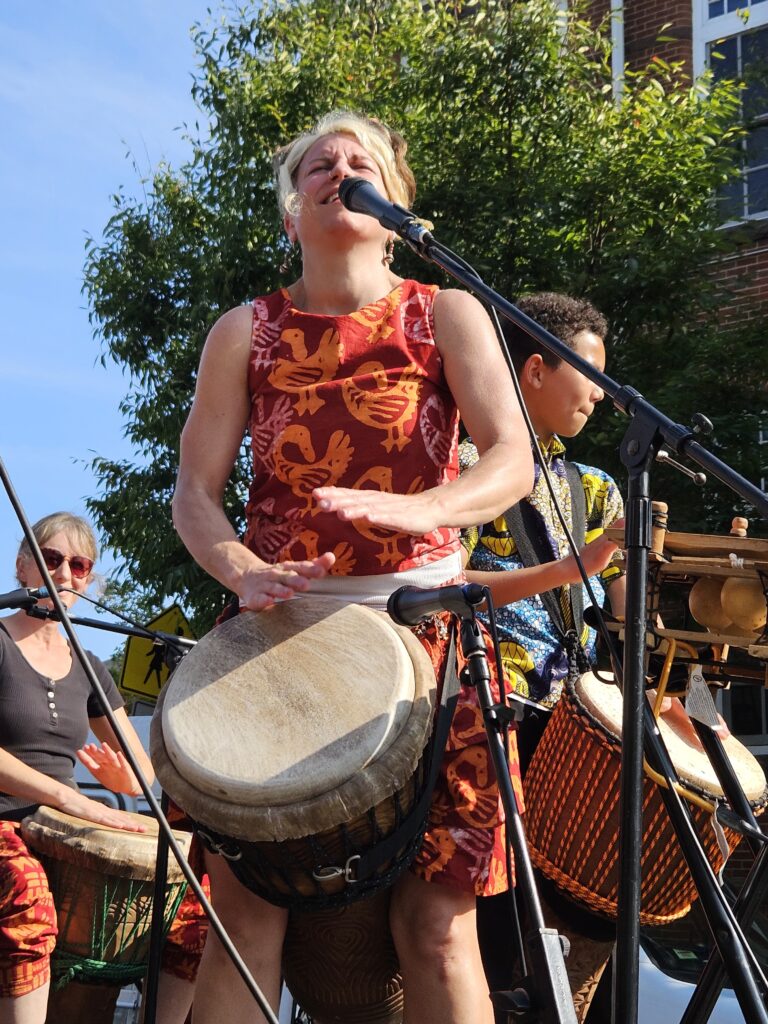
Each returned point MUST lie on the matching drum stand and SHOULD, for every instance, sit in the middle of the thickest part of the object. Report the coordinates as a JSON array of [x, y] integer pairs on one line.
[[755, 890], [544, 994]]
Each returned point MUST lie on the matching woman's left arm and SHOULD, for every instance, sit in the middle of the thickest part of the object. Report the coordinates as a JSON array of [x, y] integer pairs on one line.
[[480, 382], [107, 763]]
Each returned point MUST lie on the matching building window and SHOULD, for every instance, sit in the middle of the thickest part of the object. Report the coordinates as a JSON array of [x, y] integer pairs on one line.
[[731, 36], [717, 8], [745, 709]]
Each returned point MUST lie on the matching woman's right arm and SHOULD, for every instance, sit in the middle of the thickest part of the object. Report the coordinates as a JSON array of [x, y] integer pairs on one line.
[[210, 442], [19, 780]]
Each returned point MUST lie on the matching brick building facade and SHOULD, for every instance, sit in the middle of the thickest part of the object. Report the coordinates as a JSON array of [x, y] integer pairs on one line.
[[738, 31]]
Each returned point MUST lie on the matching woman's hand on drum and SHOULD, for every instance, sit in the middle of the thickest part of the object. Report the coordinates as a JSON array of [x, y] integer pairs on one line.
[[265, 586], [80, 806], [110, 768], [407, 513]]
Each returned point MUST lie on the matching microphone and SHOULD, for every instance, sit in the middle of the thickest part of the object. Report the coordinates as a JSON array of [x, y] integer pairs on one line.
[[23, 597], [409, 605], [360, 196]]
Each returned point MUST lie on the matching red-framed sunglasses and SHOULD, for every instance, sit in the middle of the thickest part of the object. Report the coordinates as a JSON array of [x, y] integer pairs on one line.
[[79, 565]]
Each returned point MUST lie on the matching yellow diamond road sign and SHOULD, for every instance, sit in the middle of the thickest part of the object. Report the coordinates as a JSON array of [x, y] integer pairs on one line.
[[144, 668]]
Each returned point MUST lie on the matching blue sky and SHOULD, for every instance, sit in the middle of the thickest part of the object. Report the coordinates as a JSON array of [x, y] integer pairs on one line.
[[82, 84]]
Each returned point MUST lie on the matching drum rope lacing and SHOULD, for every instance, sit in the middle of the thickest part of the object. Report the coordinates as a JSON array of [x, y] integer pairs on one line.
[[118, 935]]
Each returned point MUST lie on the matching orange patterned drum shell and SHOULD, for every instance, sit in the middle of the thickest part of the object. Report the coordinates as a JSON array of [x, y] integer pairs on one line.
[[572, 820]]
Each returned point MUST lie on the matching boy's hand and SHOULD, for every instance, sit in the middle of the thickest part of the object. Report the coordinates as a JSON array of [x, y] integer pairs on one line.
[[597, 554]]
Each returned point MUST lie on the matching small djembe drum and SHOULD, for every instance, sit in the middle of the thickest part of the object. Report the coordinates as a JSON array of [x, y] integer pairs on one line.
[[102, 881], [295, 738], [572, 799]]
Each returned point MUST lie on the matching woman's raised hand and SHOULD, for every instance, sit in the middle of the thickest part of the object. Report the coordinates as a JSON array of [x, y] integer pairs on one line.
[[110, 768]]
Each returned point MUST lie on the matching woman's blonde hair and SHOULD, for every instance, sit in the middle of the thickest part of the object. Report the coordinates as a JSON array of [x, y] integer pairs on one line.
[[76, 527], [386, 146]]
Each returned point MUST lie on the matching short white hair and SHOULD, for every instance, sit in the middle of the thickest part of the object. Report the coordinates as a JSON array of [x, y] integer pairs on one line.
[[385, 146]]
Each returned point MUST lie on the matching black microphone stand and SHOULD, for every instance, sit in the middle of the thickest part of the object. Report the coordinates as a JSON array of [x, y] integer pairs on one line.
[[177, 645], [648, 430]]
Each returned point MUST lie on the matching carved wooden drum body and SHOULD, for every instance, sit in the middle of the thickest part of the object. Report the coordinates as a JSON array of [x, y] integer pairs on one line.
[[572, 801], [294, 738]]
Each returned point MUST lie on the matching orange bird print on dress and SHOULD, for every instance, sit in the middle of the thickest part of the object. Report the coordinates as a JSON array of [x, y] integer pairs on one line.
[[382, 477], [306, 472], [303, 372], [384, 404], [377, 315]]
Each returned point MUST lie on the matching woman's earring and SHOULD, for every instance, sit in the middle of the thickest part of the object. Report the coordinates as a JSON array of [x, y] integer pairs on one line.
[[285, 266], [389, 252]]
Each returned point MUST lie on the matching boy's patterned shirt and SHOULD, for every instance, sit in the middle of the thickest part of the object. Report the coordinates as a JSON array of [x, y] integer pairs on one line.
[[535, 662]]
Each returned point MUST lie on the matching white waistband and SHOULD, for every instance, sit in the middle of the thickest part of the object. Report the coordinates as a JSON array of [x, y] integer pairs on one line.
[[375, 590]]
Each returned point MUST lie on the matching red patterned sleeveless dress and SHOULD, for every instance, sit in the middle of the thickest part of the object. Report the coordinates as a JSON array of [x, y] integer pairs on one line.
[[361, 401]]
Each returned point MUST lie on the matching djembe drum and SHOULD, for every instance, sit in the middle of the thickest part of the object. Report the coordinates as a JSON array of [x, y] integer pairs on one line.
[[295, 739], [572, 800], [102, 881]]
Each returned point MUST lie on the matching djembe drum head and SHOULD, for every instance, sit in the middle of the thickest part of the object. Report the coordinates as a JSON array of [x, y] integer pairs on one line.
[[295, 739]]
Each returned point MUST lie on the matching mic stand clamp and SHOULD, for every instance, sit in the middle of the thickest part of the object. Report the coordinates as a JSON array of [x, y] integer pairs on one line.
[[544, 994], [175, 646]]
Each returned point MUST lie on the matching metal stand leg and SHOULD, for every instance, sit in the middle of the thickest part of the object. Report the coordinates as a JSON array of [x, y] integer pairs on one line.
[[546, 991], [157, 929]]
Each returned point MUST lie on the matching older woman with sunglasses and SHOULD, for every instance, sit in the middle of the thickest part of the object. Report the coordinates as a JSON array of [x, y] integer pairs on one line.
[[46, 709]]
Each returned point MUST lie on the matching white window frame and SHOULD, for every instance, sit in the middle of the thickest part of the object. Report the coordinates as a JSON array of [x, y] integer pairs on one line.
[[617, 46], [708, 30]]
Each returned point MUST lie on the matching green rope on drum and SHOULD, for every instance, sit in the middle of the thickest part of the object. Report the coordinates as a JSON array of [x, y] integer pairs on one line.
[[98, 972], [104, 924]]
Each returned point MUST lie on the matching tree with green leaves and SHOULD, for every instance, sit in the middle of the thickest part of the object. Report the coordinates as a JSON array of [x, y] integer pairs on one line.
[[527, 164]]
